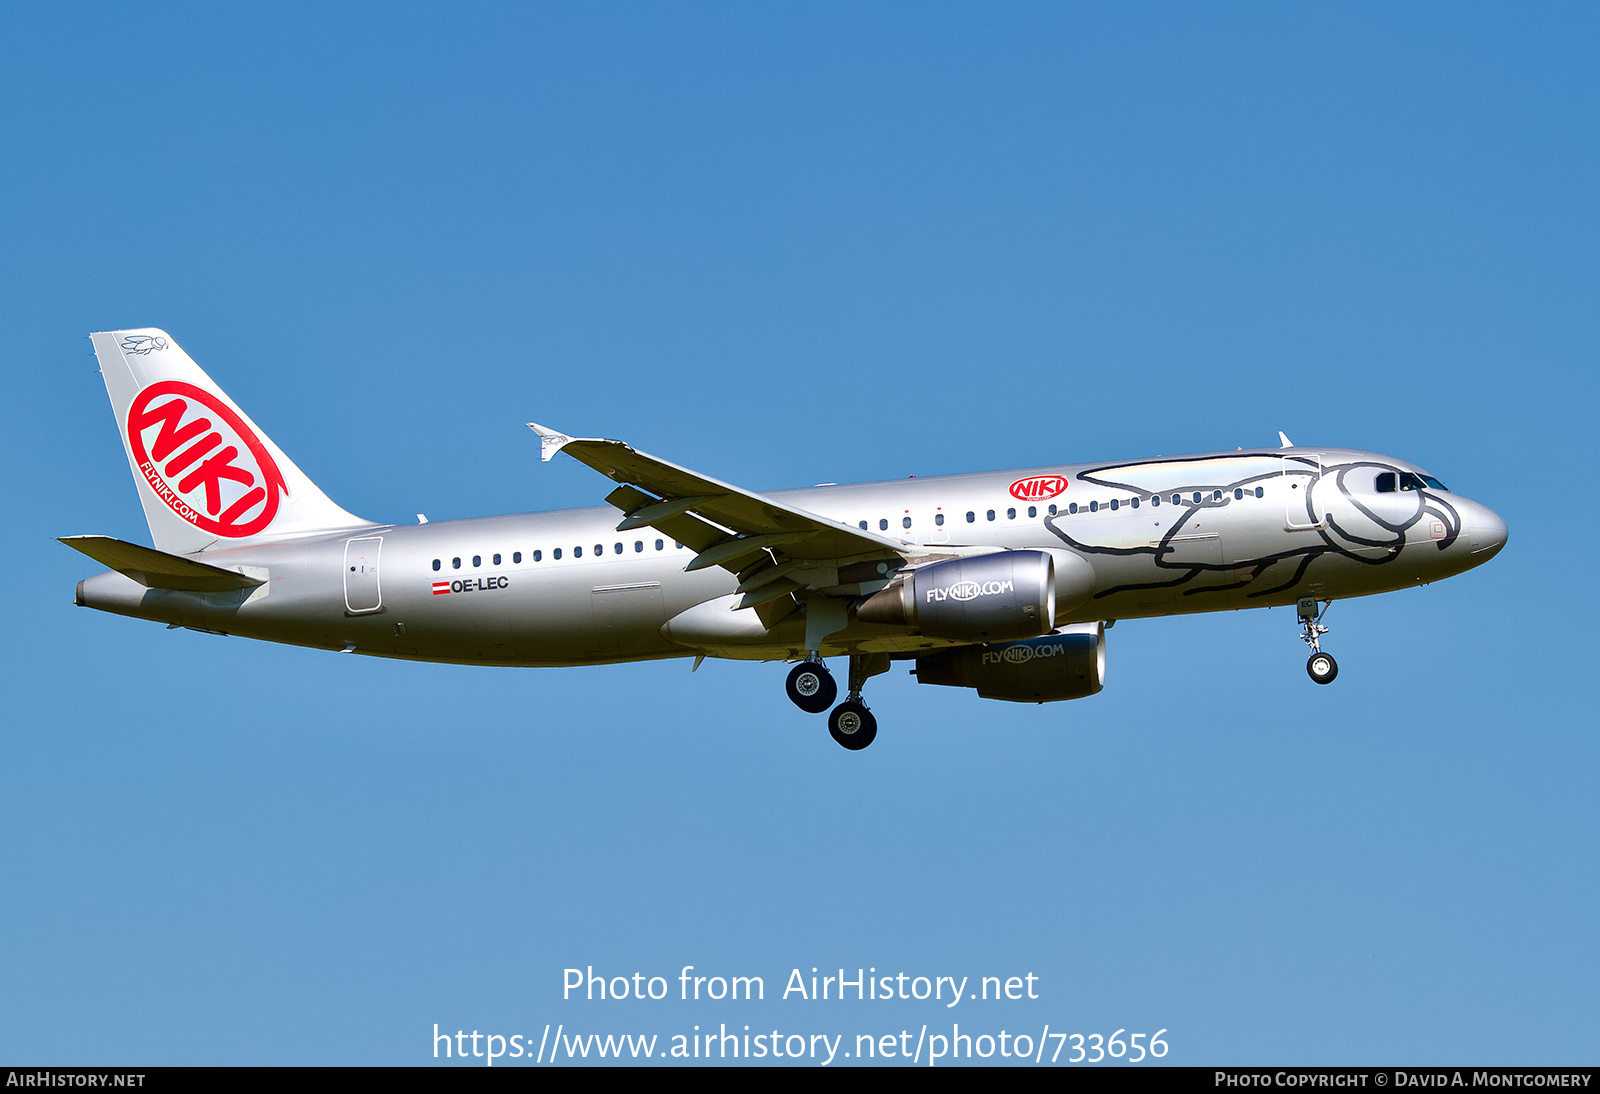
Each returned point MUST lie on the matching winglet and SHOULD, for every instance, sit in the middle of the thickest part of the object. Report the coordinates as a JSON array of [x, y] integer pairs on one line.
[[550, 442], [1282, 436]]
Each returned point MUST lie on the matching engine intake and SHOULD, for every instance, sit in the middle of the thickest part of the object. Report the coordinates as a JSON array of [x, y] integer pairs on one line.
[[1069, 664], [1010, 594]]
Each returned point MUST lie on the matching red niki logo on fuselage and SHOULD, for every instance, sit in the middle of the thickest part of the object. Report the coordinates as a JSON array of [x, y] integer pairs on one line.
[[1038, 487], [201, 458]]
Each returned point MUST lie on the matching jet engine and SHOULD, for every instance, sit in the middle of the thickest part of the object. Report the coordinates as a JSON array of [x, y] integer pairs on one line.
[[1069, 664], [1009, 594]]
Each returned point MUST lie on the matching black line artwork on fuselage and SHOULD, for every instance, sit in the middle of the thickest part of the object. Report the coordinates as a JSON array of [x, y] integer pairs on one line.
[[1357, 523]]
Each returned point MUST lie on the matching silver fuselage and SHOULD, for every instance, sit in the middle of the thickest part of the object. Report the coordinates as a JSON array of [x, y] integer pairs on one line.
[[1165, 536]]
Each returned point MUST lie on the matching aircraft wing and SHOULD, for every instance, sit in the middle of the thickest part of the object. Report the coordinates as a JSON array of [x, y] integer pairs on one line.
[[725, 525]]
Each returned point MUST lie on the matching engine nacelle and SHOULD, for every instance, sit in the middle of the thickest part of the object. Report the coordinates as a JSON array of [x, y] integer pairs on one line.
[[1069, 664], [1006, 595]]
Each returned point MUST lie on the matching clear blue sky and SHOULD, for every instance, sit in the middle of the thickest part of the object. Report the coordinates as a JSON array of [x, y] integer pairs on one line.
[[787, 245]]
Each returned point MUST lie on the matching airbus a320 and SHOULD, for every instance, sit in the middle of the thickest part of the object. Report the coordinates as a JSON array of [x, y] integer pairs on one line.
[[1001, 582]]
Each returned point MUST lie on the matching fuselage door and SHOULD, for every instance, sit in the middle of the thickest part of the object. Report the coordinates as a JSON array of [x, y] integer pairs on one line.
[[1299, 475], [361, 591]]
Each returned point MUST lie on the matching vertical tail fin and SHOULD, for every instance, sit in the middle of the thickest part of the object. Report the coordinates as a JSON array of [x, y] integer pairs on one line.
[[206, 474]]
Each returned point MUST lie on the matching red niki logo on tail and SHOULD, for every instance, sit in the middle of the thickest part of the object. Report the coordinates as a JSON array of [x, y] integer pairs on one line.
[[204, 461]]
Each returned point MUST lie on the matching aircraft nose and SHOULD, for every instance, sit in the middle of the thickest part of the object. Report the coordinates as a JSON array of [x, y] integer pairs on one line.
[[1487, 531]]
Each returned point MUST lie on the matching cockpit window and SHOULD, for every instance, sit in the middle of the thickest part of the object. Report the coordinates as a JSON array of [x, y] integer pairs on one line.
[[1408, 481], [1435, 483], [1386, 482]]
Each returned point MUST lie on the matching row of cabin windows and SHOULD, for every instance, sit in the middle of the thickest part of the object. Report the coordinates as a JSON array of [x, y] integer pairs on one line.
[[1197, 498], [938, 518], [905, 522], [1093, 507], [577, 552]]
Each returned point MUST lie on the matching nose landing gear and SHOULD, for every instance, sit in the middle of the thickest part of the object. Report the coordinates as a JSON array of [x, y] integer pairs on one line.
[[1320, 666]]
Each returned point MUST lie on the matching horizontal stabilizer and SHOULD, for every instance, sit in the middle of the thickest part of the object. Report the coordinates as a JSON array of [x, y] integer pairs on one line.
[[157, 569]]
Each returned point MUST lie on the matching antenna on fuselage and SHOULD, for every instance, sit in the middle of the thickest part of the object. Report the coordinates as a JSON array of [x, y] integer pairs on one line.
[[1284, 437]]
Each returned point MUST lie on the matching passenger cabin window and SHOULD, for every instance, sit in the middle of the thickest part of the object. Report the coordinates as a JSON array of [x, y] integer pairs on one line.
[[1113, 505], [638, 546], [1386, 482], [863, 526], [938, 519], [1052, 510], [477, 560], [556, 554], [435, 564], [538, 556], [577, 552], [1033, 510], [455, 564], [660, 544], [1094, 507], [599, 549], [497, 560], [1155, 499], [1260, 492], [971, 516], [1072, 508], [991, 514], [617, 549], [1238, 494], [883, 525], [516, 556], [905, 522], [1011, 514]]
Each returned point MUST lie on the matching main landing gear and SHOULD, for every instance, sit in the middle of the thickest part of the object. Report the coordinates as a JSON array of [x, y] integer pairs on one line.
[[811, 688], [1320, 666], [852, 725]]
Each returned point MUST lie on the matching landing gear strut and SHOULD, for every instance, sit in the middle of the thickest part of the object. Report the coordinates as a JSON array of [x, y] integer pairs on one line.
[[811, 687], [1320, 666], [851, 723]]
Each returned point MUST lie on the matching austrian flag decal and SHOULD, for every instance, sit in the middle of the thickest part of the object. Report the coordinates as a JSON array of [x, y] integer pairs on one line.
[[201, 458]]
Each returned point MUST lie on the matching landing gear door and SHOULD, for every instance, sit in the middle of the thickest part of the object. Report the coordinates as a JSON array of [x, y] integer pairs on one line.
[[361, 591], [1297, 476]]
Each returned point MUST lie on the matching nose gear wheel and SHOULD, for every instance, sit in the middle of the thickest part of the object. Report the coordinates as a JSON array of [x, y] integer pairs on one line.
[[1322, 667]]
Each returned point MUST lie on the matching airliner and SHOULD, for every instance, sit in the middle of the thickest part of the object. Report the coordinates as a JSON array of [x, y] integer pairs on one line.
[[1000, 582]]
